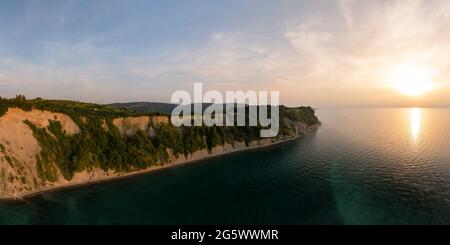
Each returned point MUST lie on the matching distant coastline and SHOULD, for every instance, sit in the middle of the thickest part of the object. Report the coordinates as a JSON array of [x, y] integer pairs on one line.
[[256, 146]]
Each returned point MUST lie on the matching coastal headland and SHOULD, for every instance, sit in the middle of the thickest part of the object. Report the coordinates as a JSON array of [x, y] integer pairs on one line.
[[47, 145]]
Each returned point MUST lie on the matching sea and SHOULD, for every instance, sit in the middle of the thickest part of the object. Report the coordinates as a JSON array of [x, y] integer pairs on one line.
[[361, 166]]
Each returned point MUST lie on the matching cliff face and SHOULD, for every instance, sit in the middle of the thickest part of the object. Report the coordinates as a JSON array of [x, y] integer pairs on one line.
[[131, 125], [19, 148], [30, 163]]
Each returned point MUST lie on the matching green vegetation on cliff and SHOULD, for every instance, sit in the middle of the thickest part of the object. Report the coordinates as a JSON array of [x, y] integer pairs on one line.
[[72, 108], [99, 144]]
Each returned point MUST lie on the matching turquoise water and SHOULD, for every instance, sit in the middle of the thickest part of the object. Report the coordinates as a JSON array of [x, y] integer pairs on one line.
[[362, 166]]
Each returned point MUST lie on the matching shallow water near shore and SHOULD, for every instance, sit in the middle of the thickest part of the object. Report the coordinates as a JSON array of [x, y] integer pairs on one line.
[[362, 166]]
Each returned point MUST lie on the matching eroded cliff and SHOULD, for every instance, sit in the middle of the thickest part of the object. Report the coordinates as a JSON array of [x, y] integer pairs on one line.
[[42, 149]]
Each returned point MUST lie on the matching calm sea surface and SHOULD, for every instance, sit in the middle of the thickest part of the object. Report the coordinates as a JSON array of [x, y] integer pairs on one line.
[[362, 166]]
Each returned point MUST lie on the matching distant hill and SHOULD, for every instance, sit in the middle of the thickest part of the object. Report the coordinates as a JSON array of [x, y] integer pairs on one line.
[[156, 107], [151, 107]]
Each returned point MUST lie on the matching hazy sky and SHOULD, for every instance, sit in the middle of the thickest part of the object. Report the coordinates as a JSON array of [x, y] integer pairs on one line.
[[320, 53]]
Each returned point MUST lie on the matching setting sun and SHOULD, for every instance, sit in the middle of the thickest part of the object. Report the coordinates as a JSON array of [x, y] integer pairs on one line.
[[412, 79]]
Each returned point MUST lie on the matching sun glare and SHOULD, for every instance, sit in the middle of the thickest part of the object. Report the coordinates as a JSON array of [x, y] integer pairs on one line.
[[415, 120], [412, 79]]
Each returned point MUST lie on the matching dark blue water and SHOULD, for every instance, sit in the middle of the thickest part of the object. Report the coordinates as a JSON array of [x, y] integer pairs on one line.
[[362, 166]]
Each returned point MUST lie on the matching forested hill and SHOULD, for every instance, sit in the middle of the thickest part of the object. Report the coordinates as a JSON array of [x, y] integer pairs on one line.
[[165, 108], [154, 107], [52, 142]]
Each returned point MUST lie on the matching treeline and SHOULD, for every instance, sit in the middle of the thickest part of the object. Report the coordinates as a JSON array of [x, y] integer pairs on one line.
[[100, 146], [72, 108]]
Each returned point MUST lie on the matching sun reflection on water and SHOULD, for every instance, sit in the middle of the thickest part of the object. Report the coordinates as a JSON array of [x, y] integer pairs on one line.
[[415, 115]]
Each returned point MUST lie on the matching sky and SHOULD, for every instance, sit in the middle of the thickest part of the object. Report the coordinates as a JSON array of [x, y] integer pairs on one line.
[[319, 53]]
